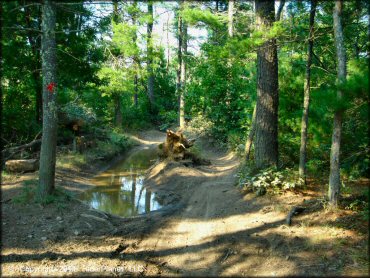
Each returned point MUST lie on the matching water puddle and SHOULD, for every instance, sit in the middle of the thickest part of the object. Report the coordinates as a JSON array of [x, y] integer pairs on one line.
[[120, 189]]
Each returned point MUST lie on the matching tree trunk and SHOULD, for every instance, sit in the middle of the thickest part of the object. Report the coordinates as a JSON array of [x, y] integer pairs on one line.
[[181, 75], [49, 131], [334, 179], [368, 34], [179, 61], [168, 45], [252, 132], [248, 144], [280, 10], [150, 54], [229, 78], [135, 58], [266, 146], [306, 101], [230, 18], [117, 111]]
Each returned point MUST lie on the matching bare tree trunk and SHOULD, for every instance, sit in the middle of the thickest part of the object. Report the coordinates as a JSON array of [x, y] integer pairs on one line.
[[168, 45], [229, 77], [182, 66], [334, 179], [49, 132], [150, 54], [230, 18], [248, 144], [183, 77], [147, 200], [266, 146], [280, 10], [306, 101], [368, 33], [117, 111], [135, 58]]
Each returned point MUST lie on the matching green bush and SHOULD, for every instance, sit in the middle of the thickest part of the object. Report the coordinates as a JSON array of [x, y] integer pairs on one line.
[[118, 139], [168, 119], [268, 180], [74, 111], [200, 125]]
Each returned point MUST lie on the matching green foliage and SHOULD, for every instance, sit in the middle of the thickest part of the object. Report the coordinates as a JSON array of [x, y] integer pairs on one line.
[[59, 197], [119, 139], [200, 125], [103, 69], [27, 192], [28, 195], [194, 16], [115, 144], [268, 180], [167, 119], [74, 112]]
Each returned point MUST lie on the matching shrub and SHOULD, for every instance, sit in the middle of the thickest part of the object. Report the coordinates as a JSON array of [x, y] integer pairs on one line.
[[200, 125], [268, 180], [73, 112], [168, 119]]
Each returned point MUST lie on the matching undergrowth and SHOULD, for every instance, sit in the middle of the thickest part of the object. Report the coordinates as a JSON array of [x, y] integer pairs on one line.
[[115, 143], [270, 180], [28, 195]]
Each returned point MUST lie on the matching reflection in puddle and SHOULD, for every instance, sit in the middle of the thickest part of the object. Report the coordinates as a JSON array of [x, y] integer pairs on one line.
[[120, 190]]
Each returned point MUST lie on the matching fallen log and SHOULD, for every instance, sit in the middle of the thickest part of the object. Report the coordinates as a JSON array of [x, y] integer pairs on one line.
[[176, 147], [21, 147], [22, 165], [10, 152]]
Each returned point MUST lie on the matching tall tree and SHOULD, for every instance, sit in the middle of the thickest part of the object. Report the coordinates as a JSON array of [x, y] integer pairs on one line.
[[49, 75], [181, 70], [252, 131], [150, 53], [136, 55], [334, 179], [230, 18], [266, 145], [306, 101]]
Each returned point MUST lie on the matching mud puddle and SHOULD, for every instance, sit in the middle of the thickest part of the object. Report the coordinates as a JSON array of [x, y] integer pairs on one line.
[[120, 190]]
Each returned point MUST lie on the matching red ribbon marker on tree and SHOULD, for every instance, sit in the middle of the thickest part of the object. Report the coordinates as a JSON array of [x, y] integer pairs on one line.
[[50, 87]]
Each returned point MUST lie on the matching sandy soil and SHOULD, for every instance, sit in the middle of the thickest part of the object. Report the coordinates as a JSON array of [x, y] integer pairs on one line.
[[209, 228]]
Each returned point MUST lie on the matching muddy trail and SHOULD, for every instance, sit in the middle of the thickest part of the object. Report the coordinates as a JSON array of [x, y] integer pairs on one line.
[[206, 227]]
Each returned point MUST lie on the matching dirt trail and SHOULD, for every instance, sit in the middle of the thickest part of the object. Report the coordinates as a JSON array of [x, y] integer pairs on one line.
[[209, 228], [210, 235], [220, 231], [186, 240]]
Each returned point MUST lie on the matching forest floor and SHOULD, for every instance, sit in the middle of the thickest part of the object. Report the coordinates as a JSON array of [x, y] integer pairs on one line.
[[209, 228]]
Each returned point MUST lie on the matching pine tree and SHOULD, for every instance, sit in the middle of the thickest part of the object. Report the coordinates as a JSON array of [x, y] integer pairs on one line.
[[266, 145]]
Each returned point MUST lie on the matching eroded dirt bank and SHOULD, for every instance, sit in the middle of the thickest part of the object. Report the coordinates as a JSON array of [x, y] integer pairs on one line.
[[209, 228]]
